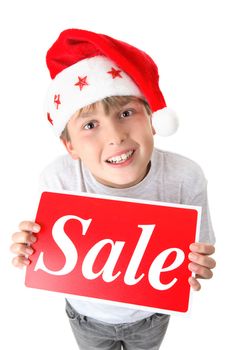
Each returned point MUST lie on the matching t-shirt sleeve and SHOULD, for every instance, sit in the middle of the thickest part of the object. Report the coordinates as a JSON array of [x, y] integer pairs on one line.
[[206, 228], [196, 192]]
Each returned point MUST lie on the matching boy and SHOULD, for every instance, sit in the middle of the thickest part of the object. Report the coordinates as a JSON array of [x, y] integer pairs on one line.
[[105, 104]]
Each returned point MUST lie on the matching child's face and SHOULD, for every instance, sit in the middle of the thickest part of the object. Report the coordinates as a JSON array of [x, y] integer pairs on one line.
[[116, 147]]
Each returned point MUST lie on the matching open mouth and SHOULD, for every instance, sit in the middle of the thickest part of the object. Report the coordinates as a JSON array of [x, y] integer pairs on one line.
[[121, 158]]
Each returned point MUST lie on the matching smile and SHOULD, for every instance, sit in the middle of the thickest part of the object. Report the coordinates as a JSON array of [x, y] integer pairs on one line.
[[121, 158]]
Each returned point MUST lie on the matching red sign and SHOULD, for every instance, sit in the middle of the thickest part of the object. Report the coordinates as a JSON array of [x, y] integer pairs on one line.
[[114, 249]]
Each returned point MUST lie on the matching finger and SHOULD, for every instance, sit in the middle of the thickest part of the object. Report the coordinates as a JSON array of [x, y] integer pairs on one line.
[[21, 249], [29, 226], [203, 260], [20, 261], [202, 248], [23, 237], [202, 271], [196, 286]]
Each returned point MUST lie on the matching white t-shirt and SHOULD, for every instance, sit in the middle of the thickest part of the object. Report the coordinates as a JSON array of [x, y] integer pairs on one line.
[[172, 178]]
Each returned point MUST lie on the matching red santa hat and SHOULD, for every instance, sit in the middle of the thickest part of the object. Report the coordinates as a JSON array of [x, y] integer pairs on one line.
[[87, 67]]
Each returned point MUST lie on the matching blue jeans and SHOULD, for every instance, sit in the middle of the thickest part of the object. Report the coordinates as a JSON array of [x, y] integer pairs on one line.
[[91, 334]]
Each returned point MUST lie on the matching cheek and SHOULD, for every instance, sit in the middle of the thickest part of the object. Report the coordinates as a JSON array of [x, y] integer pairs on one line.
[[148, 143], [149, 132], [88, 152], [150, 146]]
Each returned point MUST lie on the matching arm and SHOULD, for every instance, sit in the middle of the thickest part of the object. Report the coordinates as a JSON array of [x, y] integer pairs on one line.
[[201, 263], [22, 241]]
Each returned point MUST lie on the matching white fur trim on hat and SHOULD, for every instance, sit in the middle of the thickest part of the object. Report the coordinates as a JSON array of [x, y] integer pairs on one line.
[[84, 83], [165, 122]]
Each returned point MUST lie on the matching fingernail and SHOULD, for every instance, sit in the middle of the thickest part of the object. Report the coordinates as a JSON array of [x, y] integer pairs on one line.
[[33, 239], [193, 267], [29, 251], [192, 256], [36, 228], [194, 247]]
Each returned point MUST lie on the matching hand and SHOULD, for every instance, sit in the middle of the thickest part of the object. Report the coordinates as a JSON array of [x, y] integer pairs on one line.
[[201, 263], [22, 243]]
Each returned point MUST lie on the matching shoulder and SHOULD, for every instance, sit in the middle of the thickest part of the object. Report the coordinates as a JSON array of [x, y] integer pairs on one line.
[[177, 161], [57, 173], [61, 163], [176, 167]]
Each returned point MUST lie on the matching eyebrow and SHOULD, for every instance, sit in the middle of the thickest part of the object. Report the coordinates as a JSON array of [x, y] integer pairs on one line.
[[83, 115]]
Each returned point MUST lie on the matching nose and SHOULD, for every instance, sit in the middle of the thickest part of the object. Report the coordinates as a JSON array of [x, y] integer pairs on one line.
[[115, 134]]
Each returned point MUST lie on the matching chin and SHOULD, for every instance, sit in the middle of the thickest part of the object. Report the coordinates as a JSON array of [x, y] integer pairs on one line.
[[125, 183]]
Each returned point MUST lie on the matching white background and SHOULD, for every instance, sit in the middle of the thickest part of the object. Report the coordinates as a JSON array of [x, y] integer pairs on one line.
[[191, 41]]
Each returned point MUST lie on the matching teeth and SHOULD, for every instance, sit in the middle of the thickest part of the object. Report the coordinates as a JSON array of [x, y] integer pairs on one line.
[[119, 159]]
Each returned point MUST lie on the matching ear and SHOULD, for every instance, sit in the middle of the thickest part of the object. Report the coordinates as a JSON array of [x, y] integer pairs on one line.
[[153, 130], [70, 149]]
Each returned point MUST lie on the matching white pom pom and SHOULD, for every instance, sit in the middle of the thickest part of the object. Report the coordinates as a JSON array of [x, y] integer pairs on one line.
[[165, 122]]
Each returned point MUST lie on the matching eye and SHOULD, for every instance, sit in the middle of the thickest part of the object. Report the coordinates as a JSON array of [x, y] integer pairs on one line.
[[126, 113], [90, 125]]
